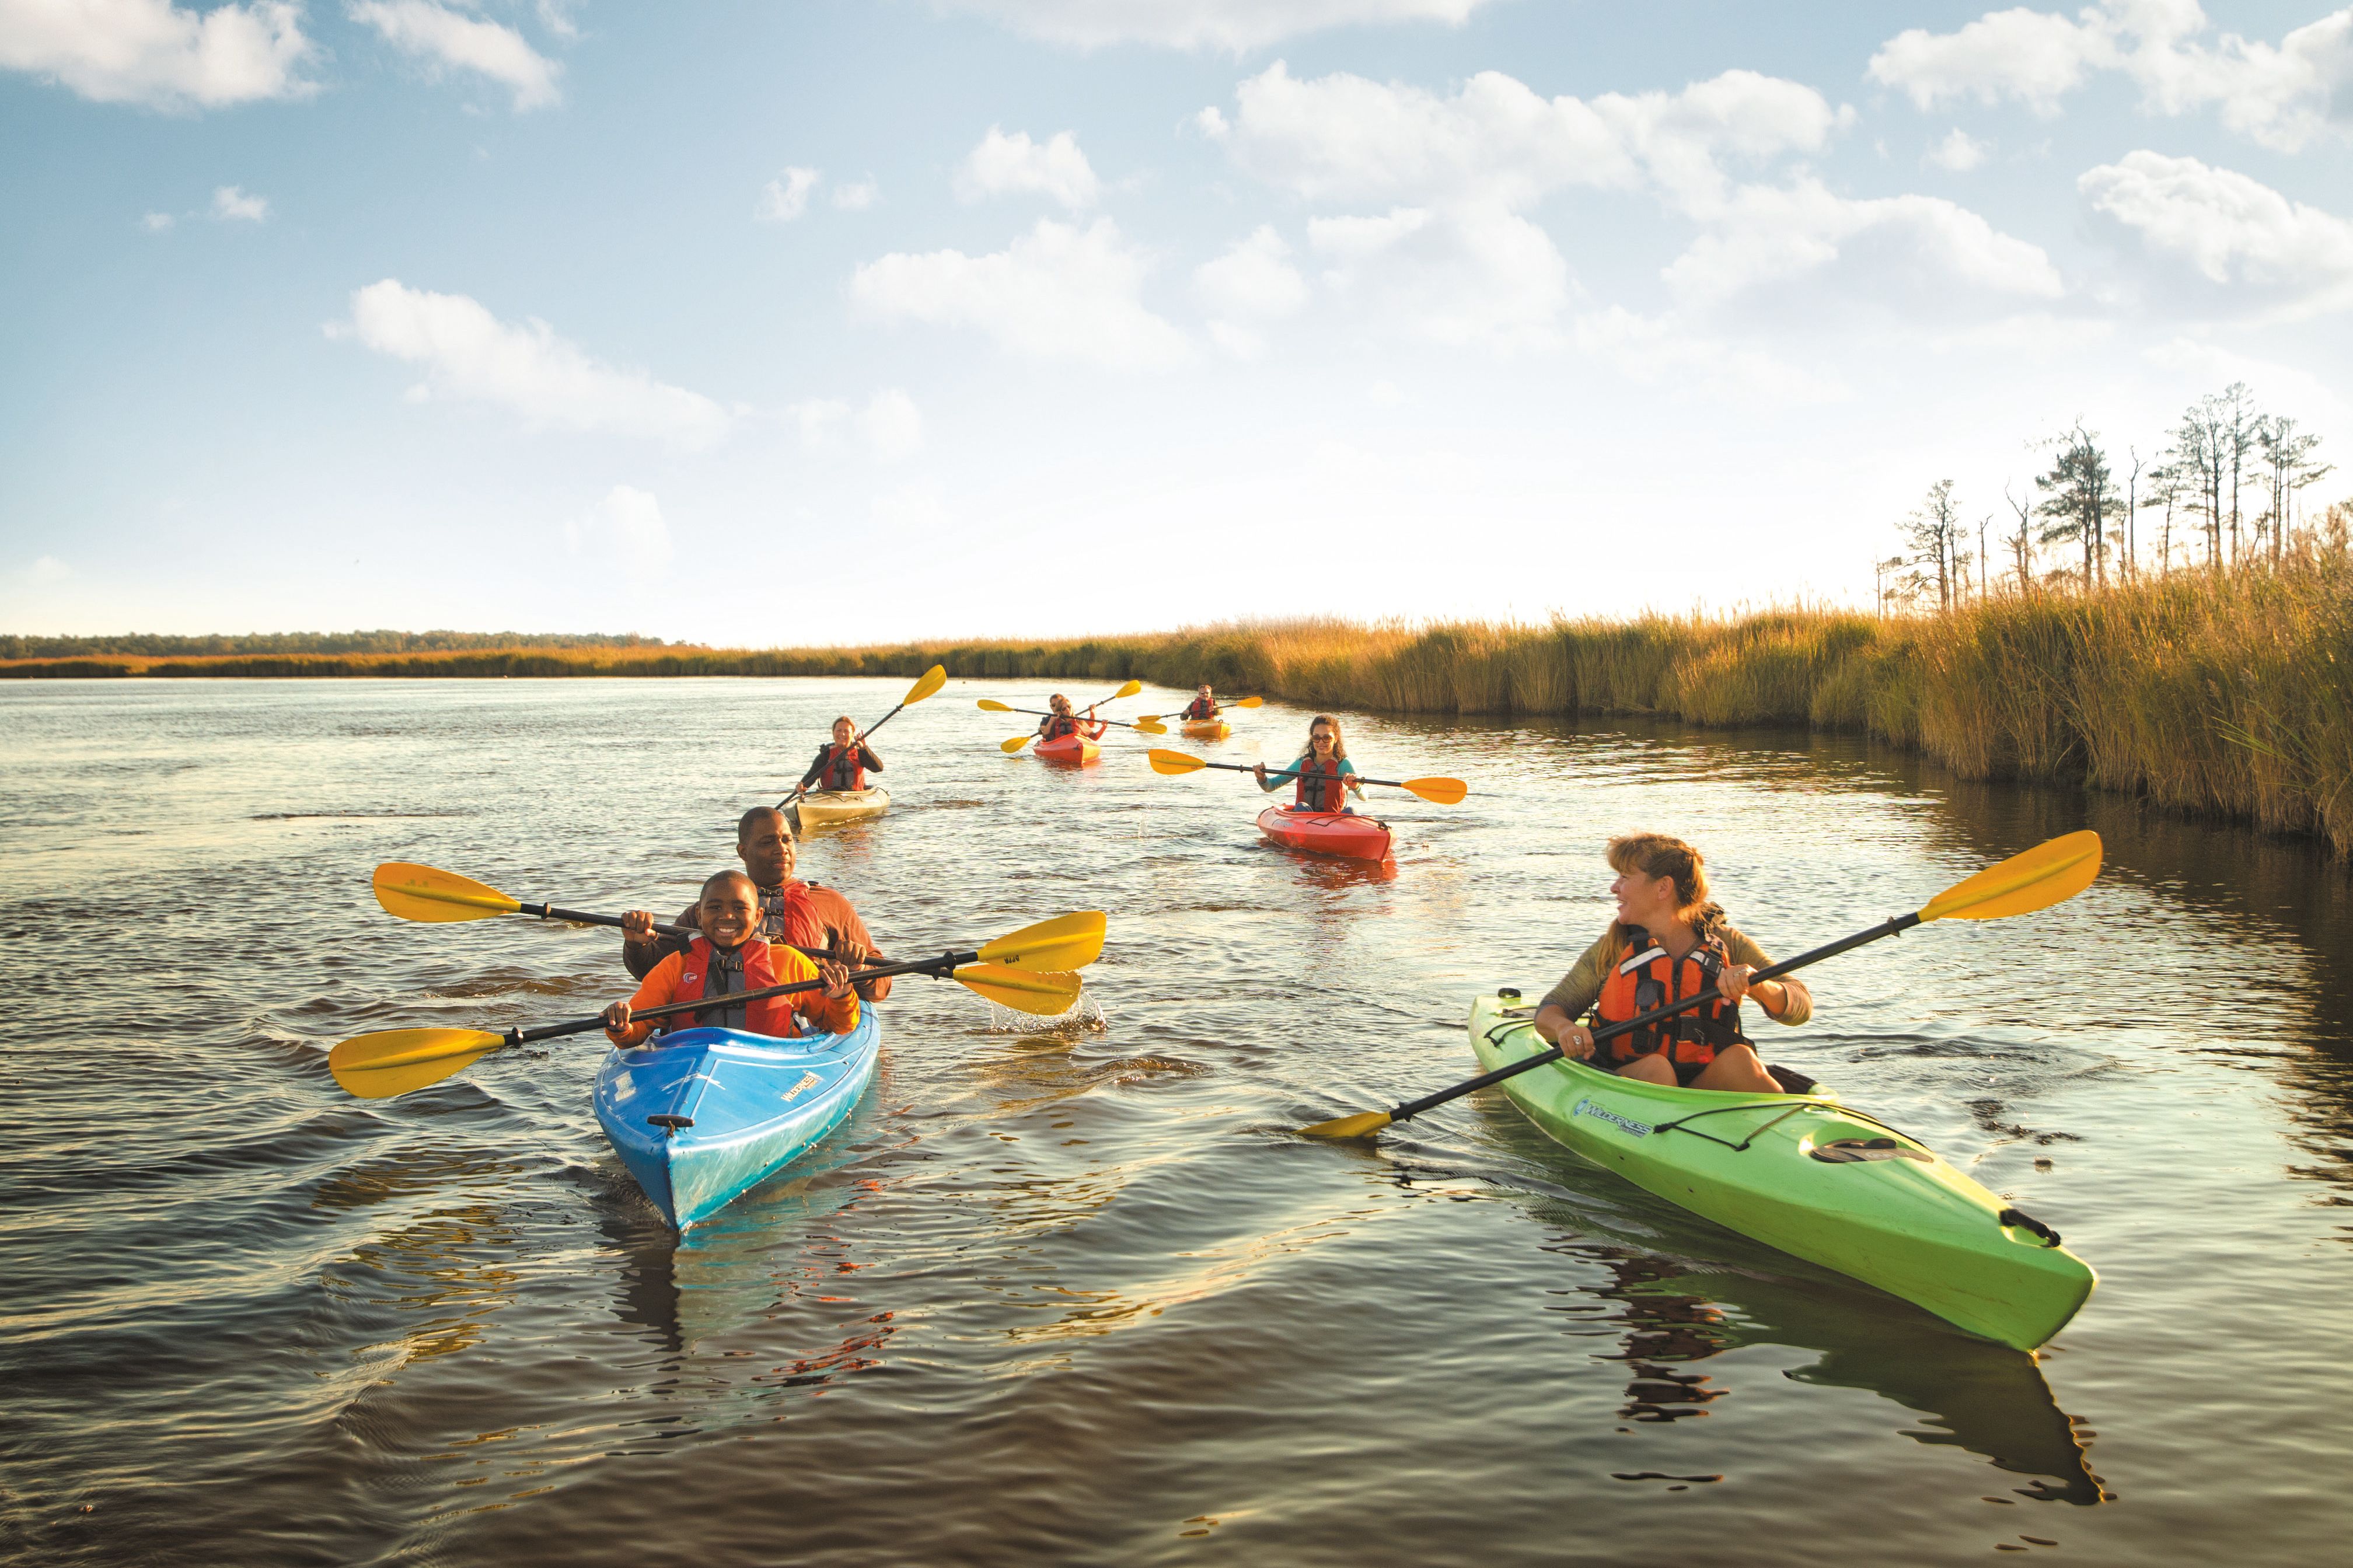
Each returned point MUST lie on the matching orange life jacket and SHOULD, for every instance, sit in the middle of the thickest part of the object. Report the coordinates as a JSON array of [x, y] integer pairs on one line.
[[1647, 978], [1319, 787], [1058, 725], [788, 915], [844, 766], [1202, 708], [771, 1015]]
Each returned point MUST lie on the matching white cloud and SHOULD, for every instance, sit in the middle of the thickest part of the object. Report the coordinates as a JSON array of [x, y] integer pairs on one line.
[[45, 572], [471, 355], [1345, 138], [819, 420], [2231, 230], [1921, 250], [626, 529], [1233, 26], [2282, 95], [156, 223], [1656, 349], [1478, 274], [155, 53], [1385, 392], [788, 195], [448, 39], [1253, 280], [231, 204], [1058, 292], [891, 426], [914, 509], [1959, 151], [1007, 165], [857, 198]]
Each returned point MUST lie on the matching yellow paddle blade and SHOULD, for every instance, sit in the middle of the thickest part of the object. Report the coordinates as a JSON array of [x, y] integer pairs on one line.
[[1130, 690], [2045, 875], [1173, 763], [1438, 792], [1246, 701], [378, 1066], [1360, 1126], [1014, 745], [1047, 995], [1152, 726], [1066, 941], [991, 705], [933, 679], [421, 893]]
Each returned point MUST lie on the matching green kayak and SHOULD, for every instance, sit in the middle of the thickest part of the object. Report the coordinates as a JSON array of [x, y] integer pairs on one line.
[[1804, 1174]]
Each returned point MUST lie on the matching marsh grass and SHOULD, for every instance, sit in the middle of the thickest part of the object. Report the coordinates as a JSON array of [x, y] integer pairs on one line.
[[2225, 695]]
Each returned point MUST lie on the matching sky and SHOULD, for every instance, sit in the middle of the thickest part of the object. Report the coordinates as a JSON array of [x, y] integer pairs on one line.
[[848, 320]]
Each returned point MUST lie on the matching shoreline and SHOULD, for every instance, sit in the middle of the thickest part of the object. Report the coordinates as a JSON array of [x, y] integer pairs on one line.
[[2228, 696]]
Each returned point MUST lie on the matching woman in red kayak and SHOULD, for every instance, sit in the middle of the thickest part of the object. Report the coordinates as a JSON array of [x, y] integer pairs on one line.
[[1061, 722], [1325, 775], [1668, 942]]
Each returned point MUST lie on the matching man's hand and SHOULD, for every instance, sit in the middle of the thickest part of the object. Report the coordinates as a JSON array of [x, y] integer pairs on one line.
[[637, 927]]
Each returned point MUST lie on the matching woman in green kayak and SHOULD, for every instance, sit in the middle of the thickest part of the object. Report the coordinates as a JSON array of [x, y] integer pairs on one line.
[[1668, 942], [1325, 775]]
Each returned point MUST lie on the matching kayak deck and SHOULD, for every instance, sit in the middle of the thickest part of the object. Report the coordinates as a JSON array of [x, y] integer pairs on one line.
[[1068, 749], [1803, 1174], [736, 1106], [1348, 834], [1206, 729], [825, 807]]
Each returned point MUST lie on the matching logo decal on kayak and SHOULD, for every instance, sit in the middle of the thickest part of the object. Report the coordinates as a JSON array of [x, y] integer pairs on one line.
[[1851, 1151], [1627, 1124], [808, 1080]]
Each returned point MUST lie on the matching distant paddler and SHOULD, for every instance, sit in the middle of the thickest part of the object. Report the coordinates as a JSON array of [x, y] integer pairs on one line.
[[1062, 722], [844, 765], [1668, 942], [792, 912], [1324, 775], [730, 958], [1203, 706]]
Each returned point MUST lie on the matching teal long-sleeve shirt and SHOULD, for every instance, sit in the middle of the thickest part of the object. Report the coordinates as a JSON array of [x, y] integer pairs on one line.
[[1276, 780]]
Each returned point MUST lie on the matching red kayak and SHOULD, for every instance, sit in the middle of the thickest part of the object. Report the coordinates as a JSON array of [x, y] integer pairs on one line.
[[1341, 833], [1068, 749]]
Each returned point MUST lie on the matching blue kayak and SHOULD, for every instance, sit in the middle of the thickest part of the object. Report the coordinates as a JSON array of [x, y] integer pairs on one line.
[[709, 1113]]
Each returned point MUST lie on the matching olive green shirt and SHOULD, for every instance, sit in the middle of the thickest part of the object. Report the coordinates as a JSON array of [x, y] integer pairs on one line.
[[1580, 988]]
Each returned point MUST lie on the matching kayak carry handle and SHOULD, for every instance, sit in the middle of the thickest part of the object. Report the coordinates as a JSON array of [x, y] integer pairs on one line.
[[2025, 1221], [670, 1124]]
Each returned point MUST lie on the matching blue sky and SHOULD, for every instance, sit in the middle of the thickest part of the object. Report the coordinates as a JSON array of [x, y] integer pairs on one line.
[[827, 322]]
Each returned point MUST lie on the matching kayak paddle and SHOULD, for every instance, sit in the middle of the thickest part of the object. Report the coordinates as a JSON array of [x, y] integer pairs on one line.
[[1237, 702], [1018, 742], [933, 679], [2047, 873], [394, 1061], [1148, 725], [1437, 792], [426, 893]]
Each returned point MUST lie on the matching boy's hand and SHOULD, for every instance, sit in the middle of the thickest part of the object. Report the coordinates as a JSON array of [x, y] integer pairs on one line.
[[638, 927], [617, 1017], [835, 978]]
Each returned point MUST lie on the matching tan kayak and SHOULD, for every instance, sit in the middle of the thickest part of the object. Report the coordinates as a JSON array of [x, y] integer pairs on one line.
[[825, 807], [1206, 729]]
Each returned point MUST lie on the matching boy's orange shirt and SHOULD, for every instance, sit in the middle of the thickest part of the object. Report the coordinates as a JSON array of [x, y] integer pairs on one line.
[[772, 1017]]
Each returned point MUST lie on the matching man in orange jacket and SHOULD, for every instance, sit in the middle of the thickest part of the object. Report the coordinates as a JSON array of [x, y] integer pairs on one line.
[[729, 957], [792, 912]]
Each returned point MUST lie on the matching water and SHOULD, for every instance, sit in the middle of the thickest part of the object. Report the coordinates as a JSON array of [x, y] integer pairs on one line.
[[1071, 1294]]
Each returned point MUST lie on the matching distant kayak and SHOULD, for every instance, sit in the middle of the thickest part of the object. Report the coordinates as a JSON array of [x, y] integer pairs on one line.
[[1206, 729], [710, 1112], [1805, 1174], [823, 808], [1347, 834], [1068, 749]]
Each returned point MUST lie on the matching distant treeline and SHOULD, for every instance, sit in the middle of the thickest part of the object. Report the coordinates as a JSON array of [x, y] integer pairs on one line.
[[148, 645], [2221, 693]]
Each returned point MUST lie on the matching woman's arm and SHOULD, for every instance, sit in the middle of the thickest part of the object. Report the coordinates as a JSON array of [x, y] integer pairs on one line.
[[1270, 781], [1571, 999], [1785, 1001], [865, 755], [815, 768]]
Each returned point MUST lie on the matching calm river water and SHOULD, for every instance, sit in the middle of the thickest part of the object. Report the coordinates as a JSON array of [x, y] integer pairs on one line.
[[1071, 1294]]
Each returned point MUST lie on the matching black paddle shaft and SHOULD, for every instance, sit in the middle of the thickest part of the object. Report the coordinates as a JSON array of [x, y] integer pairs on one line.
[[1291, 773], [942, 966], [685, 934], [1413, 1108]]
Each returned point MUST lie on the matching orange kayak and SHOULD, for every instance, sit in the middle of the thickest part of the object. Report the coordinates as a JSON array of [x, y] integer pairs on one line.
[[1347, 834], [1068, 749]]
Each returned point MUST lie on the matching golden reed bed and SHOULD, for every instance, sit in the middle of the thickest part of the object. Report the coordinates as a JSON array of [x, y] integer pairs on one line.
[[2226, 695]]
